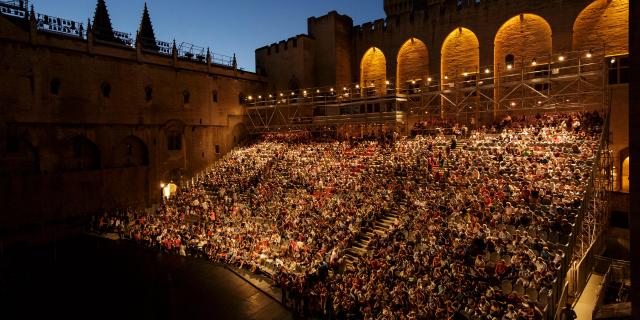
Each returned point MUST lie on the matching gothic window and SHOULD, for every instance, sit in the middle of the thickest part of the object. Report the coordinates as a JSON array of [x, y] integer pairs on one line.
[[214, 96]]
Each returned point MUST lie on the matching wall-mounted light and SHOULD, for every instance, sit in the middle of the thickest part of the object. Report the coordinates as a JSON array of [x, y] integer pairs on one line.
[[589, 54], [487, 70], [561, 58], [509, 66], [534, 62]]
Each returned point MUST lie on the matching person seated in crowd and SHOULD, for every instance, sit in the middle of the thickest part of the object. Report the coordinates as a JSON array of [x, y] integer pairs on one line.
[[469, 218]]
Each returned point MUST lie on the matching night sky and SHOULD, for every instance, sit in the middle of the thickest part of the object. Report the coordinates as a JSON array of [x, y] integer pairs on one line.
[[227, 27]]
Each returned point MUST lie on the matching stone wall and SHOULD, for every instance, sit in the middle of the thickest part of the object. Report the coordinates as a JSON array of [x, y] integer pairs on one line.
[[86, 125]]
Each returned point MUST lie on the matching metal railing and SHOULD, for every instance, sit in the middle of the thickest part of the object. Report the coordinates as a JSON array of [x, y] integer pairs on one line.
[[76, 29], [568, 81]]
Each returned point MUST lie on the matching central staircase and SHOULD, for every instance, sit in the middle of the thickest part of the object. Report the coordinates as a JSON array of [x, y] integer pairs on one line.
[[360, 247]]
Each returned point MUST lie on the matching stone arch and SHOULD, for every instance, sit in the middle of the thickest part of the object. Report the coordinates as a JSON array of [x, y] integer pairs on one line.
[[79, 154], [373, 71], [603, 24], [130, 152], [460, 53], [19, 156], [525, 36], [413, 64], [623, 172]]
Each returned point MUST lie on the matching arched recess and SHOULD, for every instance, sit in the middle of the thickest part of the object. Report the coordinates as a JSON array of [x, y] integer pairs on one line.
[[130, 152], [20, 157], [373, 71], [624, 177], [460, 53], [603, 24], [79, 154], [526, 36], [413, 64]]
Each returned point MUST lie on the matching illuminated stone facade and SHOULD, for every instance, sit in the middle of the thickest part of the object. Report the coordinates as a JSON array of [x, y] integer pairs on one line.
[[463, 38]]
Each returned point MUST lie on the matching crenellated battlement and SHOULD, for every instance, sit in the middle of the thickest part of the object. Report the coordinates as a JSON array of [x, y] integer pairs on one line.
[[293, 43]]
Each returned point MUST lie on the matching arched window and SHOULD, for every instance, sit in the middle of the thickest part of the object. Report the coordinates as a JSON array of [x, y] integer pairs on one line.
[[54, 86], [148, 94], [186, 97], [106, 89]]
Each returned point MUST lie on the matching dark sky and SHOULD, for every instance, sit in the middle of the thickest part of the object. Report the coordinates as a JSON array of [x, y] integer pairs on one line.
[[228, 27]]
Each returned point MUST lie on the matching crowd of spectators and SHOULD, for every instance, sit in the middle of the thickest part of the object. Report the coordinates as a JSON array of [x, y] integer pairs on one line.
[[480, 222]]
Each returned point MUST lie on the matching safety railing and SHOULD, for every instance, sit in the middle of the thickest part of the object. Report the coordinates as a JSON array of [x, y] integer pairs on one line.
[[76, 29]]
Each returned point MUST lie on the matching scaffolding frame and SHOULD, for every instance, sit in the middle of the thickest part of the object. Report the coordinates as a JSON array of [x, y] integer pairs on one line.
[[558, 82]]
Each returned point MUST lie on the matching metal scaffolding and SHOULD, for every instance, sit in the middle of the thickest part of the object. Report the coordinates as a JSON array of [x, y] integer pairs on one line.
[[560, 82]]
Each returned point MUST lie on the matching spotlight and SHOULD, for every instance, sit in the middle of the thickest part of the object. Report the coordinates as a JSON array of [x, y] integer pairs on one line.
[[259, 97], [561, 58], [613, 60], [292, 93], [465, 74], [387, 82], [250, 98], [281, 94], [429, 79], [446, 77], [331, 90], [413, 82], [487, 70], [513, 104], [357, 86], [318, 91], [509, 66], [589, 54], [270, 96], [534, 62]]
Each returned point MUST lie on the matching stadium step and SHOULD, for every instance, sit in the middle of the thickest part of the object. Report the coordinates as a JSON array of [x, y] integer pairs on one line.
[[360, 247]]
